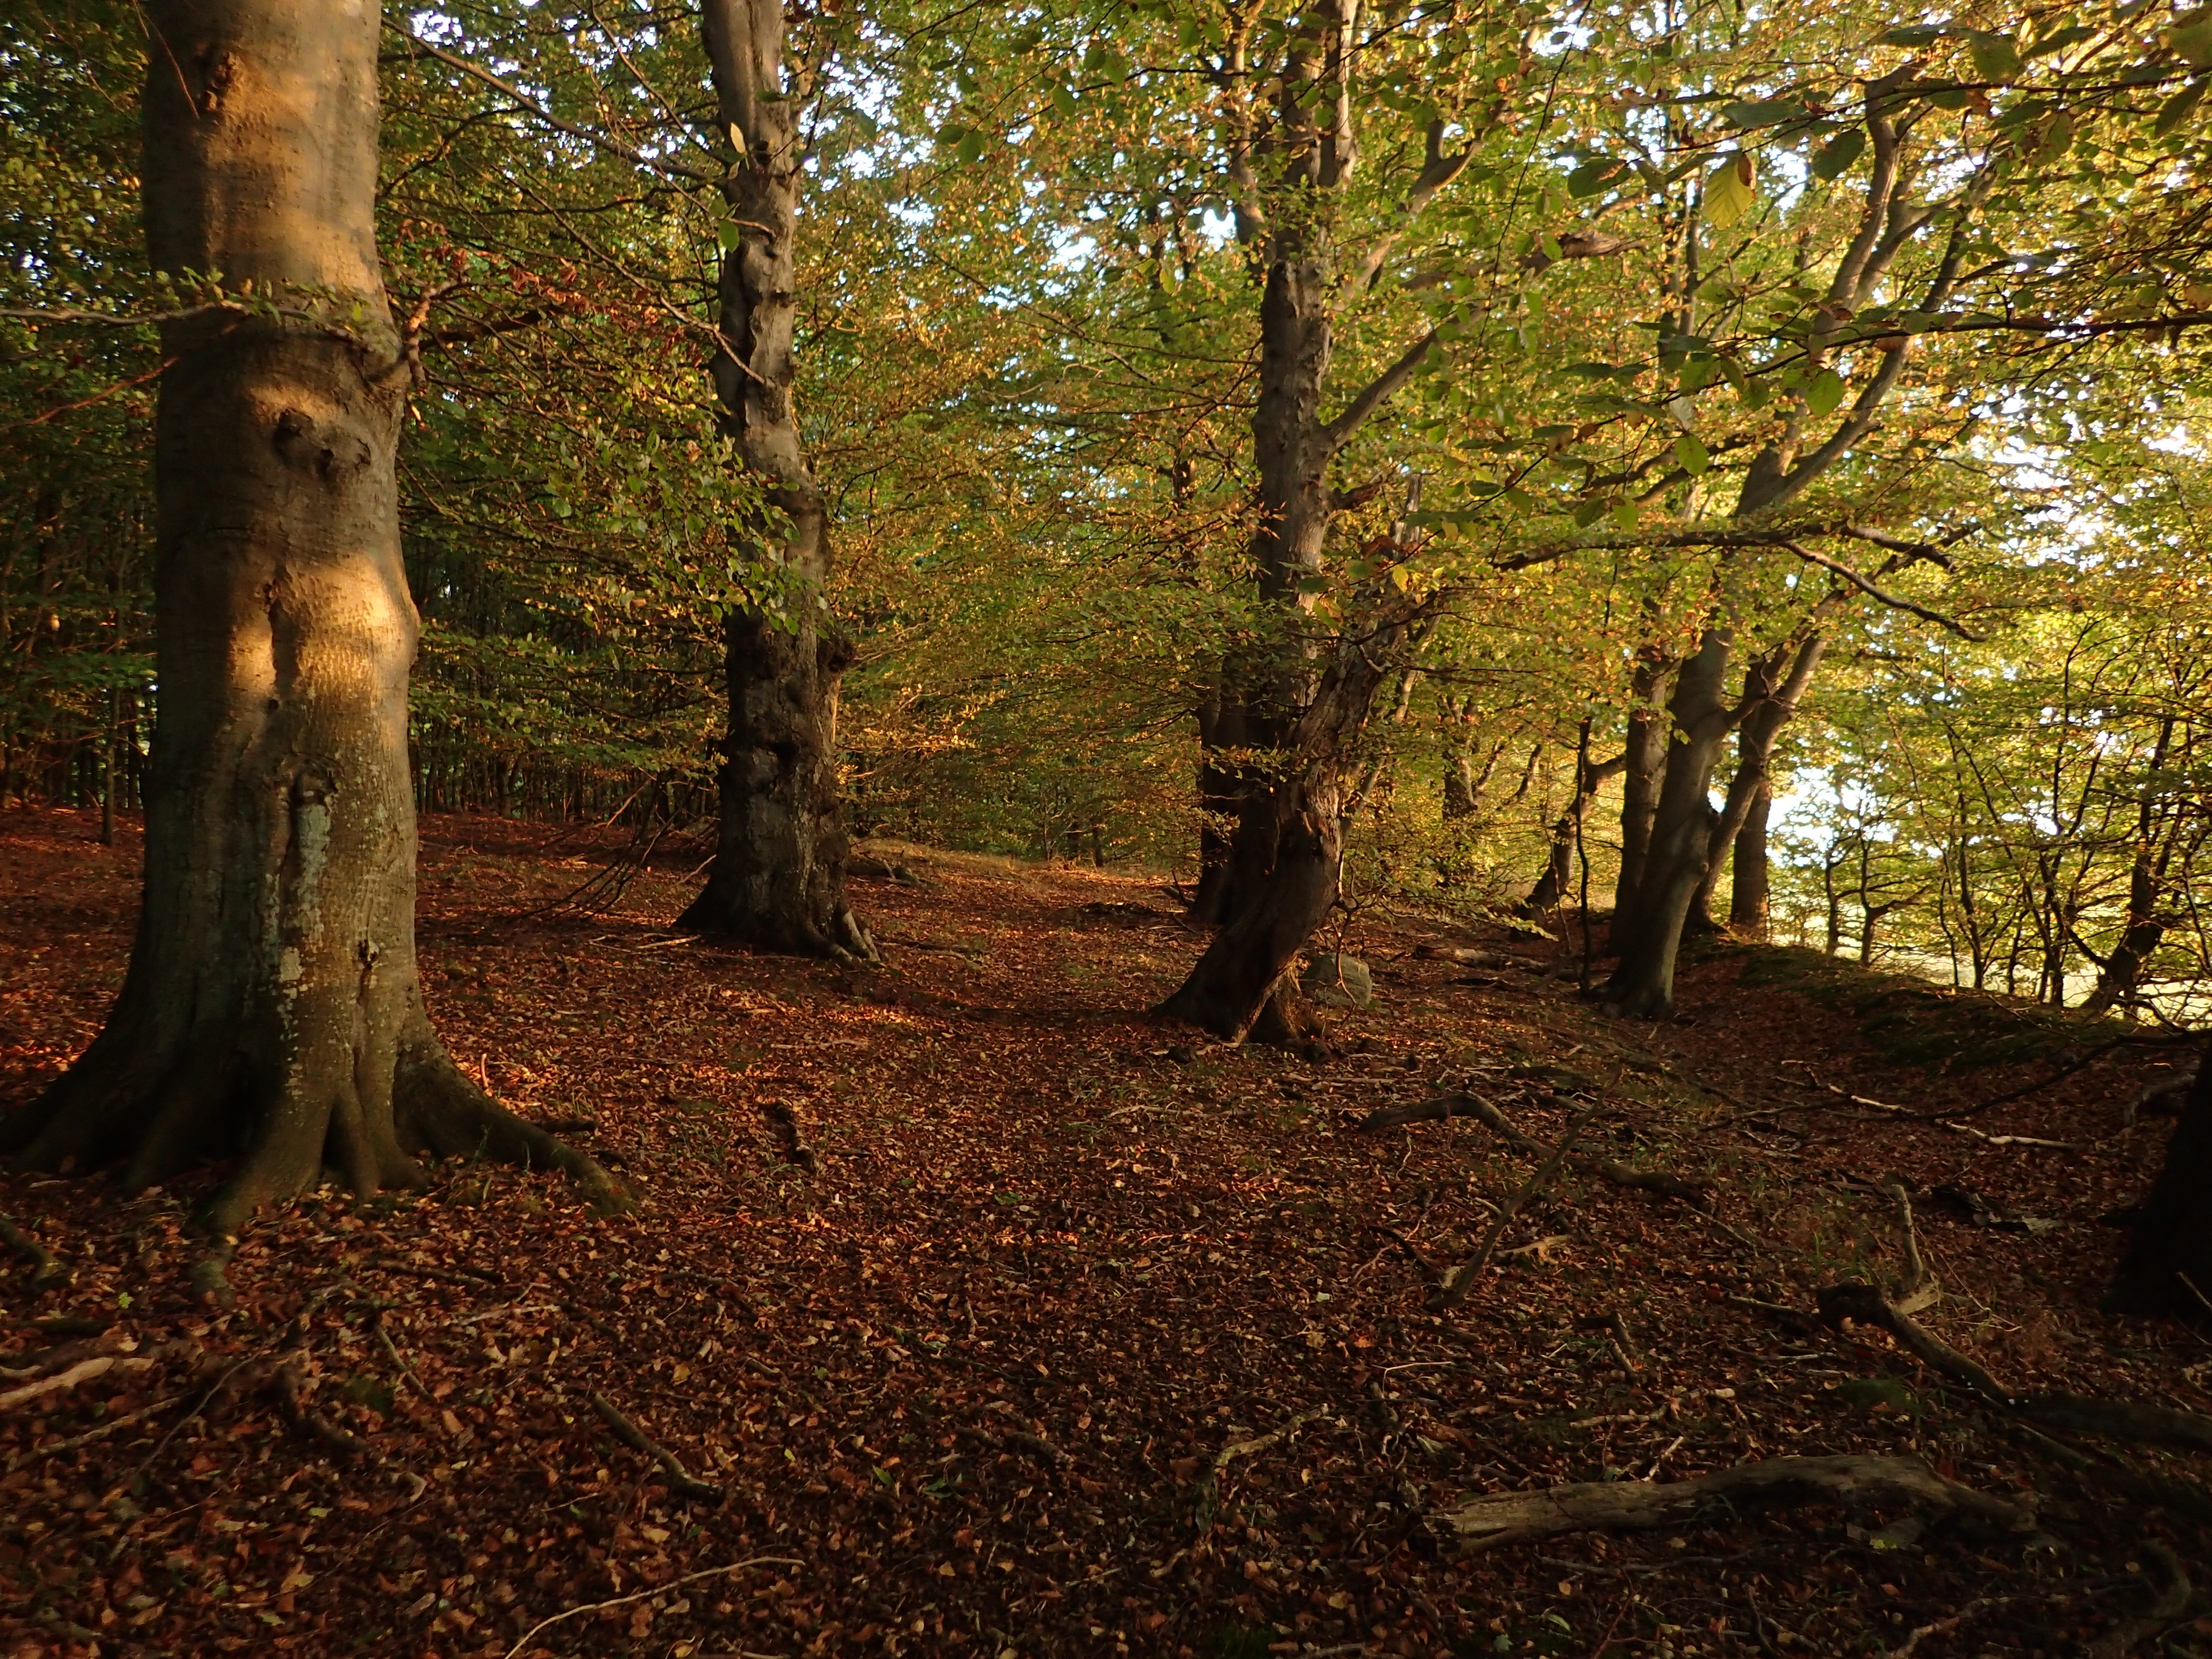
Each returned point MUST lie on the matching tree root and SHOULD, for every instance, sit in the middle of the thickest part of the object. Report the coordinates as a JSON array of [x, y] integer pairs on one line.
[[1696, 1194], [2171, 1608], [682, 1479], [47, 1270], [1502, 1519], [785, 1117]]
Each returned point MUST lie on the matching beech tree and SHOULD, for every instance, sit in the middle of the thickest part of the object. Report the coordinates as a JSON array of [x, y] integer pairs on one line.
[[272, 1010], [778, 878]]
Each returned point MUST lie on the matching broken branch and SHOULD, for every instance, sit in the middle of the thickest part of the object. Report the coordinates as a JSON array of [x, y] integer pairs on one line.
[[1629, 1505], [531, 1634], [636, 1439]]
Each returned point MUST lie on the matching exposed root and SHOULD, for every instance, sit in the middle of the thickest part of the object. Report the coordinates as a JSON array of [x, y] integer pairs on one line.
[[354, 1083], [2157, 1425], [1629, 1505], [2171, 1608], [680, 1478], [1696, 1194], [785, 1117], [47, 1270]]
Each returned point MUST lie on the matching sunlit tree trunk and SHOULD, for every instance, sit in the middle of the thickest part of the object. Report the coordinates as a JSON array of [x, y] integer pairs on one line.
[[1684, 824], [271, 1010], [778, 878], [1749, 890]]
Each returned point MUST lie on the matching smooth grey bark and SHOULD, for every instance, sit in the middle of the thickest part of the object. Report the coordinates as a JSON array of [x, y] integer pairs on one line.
[[778, 878], [272, 1010], [1647, 932], [1750, 890], [1642, 985], [1771, 697]]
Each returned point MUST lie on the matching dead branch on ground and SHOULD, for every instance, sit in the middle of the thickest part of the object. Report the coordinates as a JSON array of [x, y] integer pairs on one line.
[[636, 1439], [1693, 1193], [1209, 1484], [530, 1635], [1630, 1505], [1453, 1288]]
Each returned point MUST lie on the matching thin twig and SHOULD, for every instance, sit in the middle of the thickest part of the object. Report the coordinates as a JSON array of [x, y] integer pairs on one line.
[[640, 1595]]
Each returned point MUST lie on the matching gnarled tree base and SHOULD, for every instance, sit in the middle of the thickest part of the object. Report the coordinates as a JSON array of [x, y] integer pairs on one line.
[[361, 1113]]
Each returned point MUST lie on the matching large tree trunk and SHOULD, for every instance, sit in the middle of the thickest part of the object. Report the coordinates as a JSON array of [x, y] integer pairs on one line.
[[271, 1009], [1280, 876], [1683, 825], [2168, 1266], [778, 881]]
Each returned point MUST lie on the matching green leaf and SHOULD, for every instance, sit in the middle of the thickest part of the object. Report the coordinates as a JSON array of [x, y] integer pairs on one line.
[[1825, 392], [2177, 109], [1730, 190], [1995, 57], [2192, 42], [1763, 113], [1627, 515], [1590, 177], [1835, 157], [970, 149], [729, 234], [1913, 35], [1588, 513], [1691, 455]]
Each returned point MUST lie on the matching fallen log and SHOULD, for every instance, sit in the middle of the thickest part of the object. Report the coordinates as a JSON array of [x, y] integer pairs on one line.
[[1500, 1518]]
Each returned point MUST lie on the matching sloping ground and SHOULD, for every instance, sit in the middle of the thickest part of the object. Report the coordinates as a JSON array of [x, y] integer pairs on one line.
[[977, 1298]]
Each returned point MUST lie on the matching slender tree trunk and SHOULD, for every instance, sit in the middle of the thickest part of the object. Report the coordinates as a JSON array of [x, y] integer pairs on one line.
[[1769, 702], [1222, 735], [2167, 1265], [1641, 760], [778, 879], [2122, 971], [1749, 894], [1559, 863], [272, 1009], [1642, 985]]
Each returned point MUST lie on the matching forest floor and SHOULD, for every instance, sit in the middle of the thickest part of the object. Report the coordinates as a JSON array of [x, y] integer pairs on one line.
[[989, 1317]]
